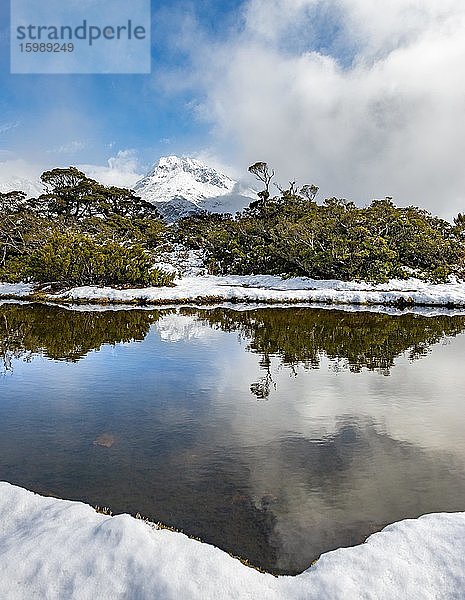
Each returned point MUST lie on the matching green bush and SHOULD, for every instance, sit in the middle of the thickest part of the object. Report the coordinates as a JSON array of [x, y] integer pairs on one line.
[[83, 233], [293, 236], [74, 259]]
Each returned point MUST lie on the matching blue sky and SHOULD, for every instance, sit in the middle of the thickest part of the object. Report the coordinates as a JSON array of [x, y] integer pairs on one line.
[[90, 117], [364, 99]]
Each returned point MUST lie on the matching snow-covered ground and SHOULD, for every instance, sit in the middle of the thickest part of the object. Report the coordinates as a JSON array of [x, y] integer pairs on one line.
[[59, 549], [266, 289], [18, 290]]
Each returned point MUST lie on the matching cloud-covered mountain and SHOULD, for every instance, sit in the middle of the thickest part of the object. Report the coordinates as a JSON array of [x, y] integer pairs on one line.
[[179, 186]]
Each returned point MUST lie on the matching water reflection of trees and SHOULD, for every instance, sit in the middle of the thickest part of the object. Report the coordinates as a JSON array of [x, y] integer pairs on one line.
[[298, 337], [63, 334], [351, 340]]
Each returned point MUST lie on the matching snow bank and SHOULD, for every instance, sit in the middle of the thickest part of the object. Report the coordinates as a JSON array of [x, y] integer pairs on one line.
[[58, 549], [268, 288], [18, 290]]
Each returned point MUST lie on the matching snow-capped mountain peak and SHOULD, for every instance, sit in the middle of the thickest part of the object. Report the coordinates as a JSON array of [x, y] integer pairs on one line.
[[177, 186], [180, 186], [186, 175]]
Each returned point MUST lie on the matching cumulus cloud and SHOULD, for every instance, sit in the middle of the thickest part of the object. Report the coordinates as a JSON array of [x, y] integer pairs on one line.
[[364, 100], [123, 170]]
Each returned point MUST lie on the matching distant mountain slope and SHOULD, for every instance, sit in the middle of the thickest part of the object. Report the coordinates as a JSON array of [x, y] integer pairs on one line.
[[21, 184], [183, 186]]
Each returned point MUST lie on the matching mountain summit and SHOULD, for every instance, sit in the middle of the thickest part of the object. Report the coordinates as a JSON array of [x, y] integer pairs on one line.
[[181, 186], [177, 186]]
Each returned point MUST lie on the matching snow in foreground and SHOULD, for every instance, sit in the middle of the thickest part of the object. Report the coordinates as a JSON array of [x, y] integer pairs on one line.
[[268, 288], [58, 549]]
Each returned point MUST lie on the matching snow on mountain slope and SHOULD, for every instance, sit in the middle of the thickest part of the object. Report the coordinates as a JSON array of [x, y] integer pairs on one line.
[[183, 186], [180, 328], [19, 175], [21, 184]]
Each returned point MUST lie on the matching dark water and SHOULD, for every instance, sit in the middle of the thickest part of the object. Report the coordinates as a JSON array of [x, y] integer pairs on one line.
[[276, 434]]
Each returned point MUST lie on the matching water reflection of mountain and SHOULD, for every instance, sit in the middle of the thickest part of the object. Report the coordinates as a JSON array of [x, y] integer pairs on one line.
[[332, 460], [63, 334], [298, 337]]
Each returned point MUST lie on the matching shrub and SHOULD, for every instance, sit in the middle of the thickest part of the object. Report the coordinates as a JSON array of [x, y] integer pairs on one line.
[[291, 235], [74, 259]]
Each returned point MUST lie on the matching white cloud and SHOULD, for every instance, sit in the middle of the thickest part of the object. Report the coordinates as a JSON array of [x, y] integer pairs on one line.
[[380, 111], [123, 170], [6, 127], [126, 161]]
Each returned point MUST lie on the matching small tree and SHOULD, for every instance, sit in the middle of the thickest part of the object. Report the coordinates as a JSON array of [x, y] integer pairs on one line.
[[70, 193], [124, 202], [309, 192], [263, 174]]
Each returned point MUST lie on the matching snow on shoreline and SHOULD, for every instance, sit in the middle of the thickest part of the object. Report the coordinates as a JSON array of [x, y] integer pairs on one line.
[[58, 549], [264, 289], [18, 290]]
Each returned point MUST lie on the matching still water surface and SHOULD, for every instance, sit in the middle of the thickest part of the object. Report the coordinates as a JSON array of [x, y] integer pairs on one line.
[[275, 434]]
